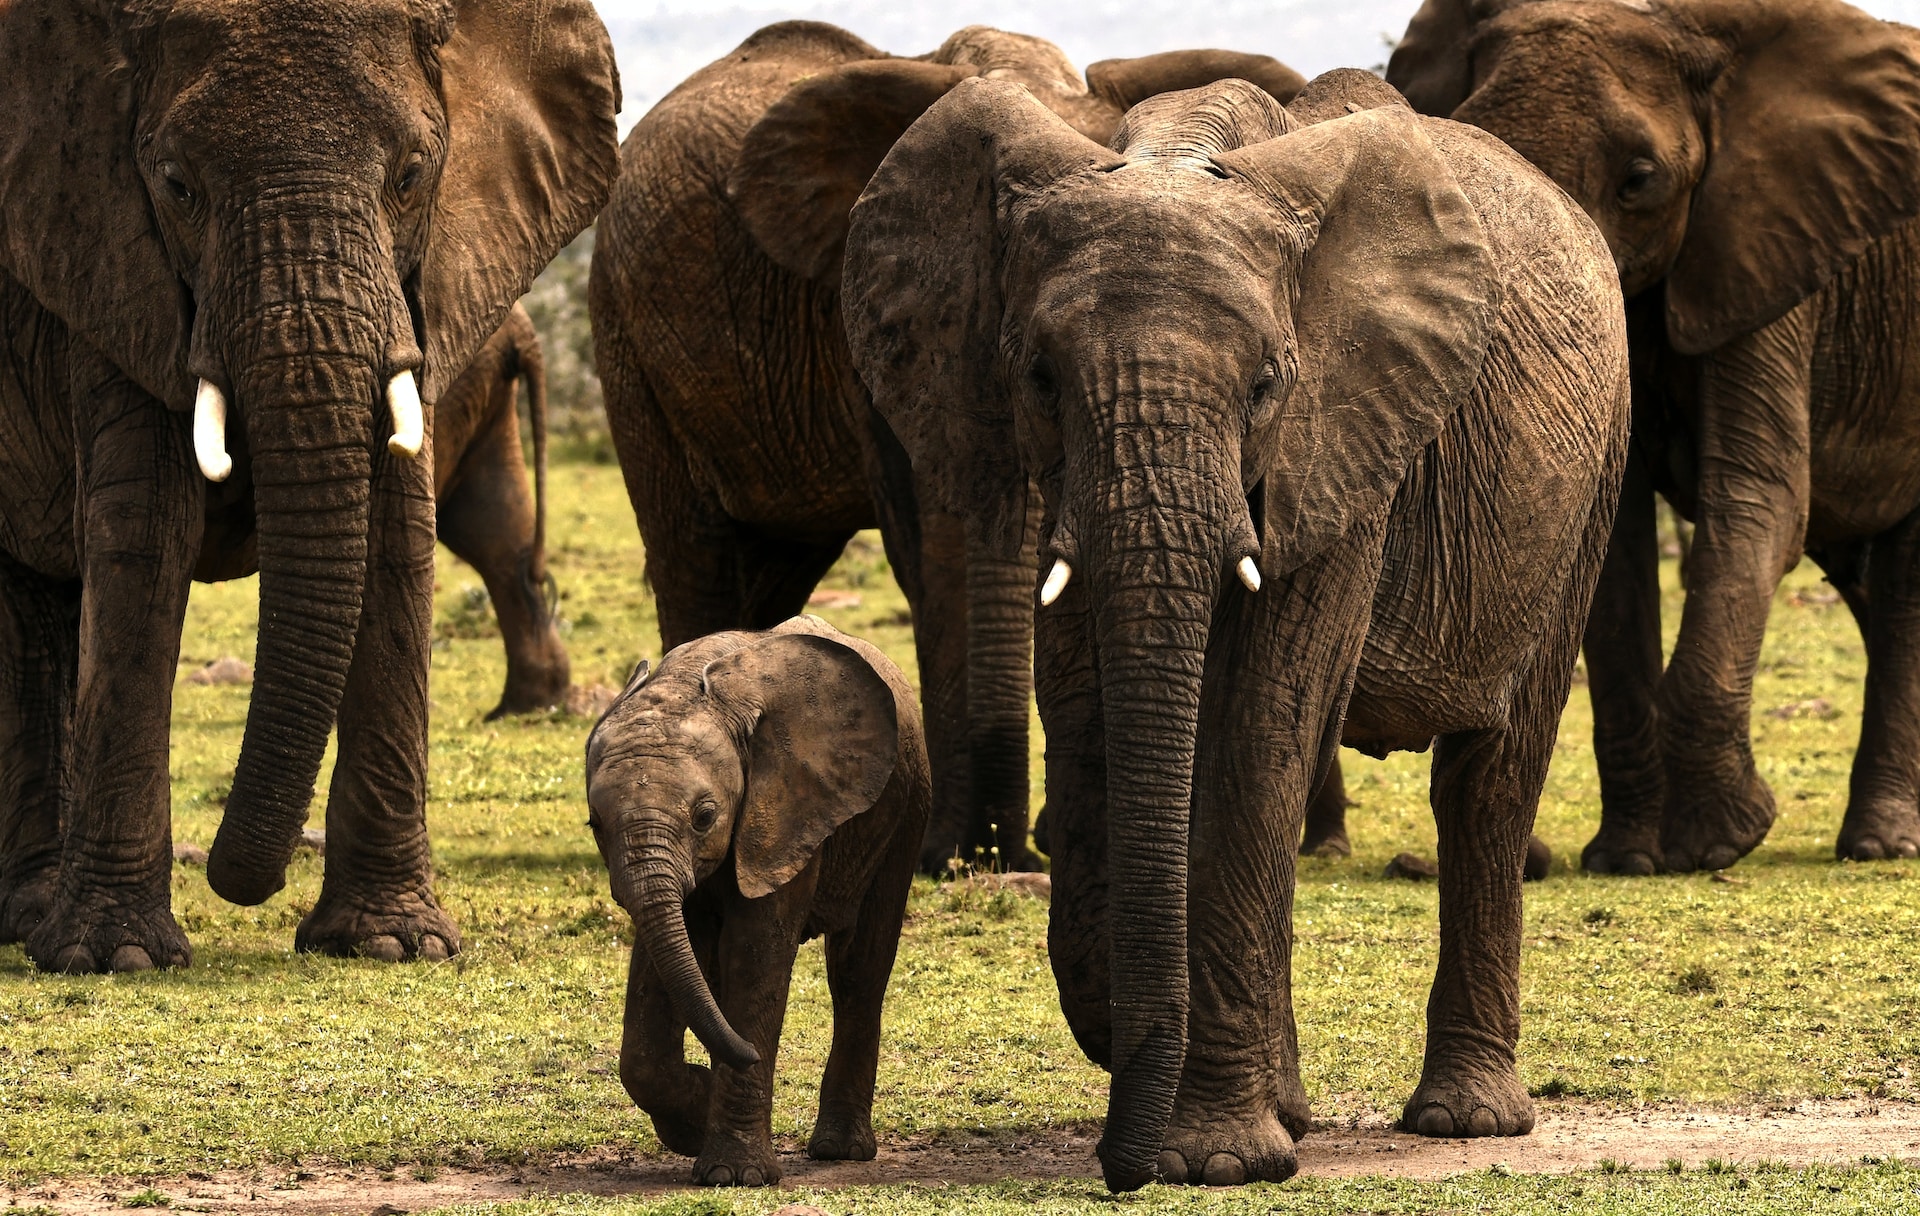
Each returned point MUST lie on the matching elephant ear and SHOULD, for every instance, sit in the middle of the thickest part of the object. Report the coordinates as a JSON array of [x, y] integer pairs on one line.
[[1432, 63], [1128, 82], [76, 226], [922, 295], [531, 93], [1396, 299], [806, 160], [824, 739], [1813, 154]]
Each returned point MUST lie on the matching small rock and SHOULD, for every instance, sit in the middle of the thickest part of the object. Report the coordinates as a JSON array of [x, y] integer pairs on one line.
[[589, 700], [189, 854], [313, 838], [387, 1209], [224, 670], [1406, 865], [824, 598]]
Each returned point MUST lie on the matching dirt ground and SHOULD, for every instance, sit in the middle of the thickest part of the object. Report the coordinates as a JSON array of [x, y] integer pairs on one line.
[[1568, 1138]]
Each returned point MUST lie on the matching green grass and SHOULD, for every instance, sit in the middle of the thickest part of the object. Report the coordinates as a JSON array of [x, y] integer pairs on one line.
[[1789, 981]]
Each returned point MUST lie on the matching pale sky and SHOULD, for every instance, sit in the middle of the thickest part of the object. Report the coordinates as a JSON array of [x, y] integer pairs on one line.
[[661, 42]]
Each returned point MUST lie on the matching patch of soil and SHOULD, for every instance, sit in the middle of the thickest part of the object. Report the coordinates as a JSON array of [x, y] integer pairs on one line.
[[1568, 1138]]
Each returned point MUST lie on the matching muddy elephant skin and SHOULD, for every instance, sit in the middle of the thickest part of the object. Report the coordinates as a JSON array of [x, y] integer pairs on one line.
[[240, 245], [759, 790], [1755, 168], [750, 450], [1328, 418]]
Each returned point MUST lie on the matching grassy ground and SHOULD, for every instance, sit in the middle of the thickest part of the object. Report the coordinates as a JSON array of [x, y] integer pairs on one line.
[[1788, 980]]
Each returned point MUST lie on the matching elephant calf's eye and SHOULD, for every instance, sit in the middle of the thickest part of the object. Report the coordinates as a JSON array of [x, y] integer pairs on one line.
[[704, 815]]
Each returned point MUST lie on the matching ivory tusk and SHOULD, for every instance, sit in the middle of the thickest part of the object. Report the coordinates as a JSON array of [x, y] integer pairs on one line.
[[1056, 581], [210, 432], [1249, 573], [409, 427]]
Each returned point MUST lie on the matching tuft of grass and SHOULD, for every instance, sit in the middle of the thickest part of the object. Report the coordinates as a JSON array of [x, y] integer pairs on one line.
[[1694, 981], [148, 1198]]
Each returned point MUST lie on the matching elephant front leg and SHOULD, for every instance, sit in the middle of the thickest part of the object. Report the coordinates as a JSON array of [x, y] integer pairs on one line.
[[39, 665], [376, 897], [1883, 803], [140, 518], [1623, 672], [653, 1062], [1752, 521]]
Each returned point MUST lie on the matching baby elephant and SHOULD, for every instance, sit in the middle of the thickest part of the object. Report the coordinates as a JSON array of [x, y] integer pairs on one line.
[[756, 791]]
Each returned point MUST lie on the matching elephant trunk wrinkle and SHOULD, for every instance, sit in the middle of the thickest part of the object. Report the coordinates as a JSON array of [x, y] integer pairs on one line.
[[660, 929]]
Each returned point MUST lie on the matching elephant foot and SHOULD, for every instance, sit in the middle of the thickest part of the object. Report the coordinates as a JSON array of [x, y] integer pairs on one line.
[[405, 926], [1222, 1153], [1874, 832], [1331, 844], [1718, 828], [1633, 850], [842, 1135], [1539, 861], [677, 1103], [88, 935], [532, 693], [24, 904], [732, 1163], [1467, 1100]]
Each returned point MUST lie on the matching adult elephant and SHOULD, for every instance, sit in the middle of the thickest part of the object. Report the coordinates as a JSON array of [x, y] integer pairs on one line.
[[1328, 420], [747, 441], [486, 515], [1755, 166], [303, 221]]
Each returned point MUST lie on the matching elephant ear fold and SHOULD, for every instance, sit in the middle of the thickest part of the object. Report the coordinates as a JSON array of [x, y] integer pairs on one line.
[[922, 295], [806, 160], [531, 92], [825, 737], [1432, 64], [1395, 302], [1126, 83], [1813, 154], [76, 226]]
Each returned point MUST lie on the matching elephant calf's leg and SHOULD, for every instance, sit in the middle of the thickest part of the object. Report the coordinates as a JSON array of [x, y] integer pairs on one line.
[[1883, 804], [39, 663], [754, 966], [653, 1064]]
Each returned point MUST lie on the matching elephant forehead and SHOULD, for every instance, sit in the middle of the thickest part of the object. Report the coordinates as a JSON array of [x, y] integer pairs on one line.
[[1162, 219]]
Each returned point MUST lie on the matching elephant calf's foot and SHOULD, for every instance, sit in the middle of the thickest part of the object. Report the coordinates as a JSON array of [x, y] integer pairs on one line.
[[731, 1163], [1874, 831], [1466, 1100], [1225, 1153], [81, 936], [1712, 828], [677, 1102], [394, 929], [842, 1135]]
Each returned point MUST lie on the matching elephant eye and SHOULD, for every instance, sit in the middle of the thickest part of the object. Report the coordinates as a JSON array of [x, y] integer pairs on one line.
[[1264, 386], [176, 179], [1045, 383], [704, 815], [1641, 173], [407, 184]]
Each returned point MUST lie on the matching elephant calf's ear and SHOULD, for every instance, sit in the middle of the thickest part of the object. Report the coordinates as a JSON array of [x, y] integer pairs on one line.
[[1128, 82], [810, 155], [825, 739]]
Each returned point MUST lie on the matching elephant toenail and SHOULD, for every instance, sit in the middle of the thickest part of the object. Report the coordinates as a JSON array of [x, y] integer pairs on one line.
[[1719, 857], [434, 949], [1637, 864], [1435, 1121], [1171, 1166], [130, 958], [719, 1175], [1224, 1169], [75, 960], [383, 946], [752, 1177], [1483, 1123], [1907, 848]]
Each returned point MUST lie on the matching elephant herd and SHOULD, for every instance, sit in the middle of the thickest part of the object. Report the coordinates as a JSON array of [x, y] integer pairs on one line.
[[1234, 416]]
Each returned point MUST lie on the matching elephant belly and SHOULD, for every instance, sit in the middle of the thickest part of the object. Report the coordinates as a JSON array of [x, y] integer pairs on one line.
[[36, 437]]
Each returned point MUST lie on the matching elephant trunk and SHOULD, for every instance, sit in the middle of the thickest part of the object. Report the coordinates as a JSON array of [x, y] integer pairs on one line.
[[308, 369], [999, 688], [1154, 553], [658, 899]]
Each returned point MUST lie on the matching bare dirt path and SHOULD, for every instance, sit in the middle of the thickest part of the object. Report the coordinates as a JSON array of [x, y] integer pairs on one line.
[[1568, 1138]]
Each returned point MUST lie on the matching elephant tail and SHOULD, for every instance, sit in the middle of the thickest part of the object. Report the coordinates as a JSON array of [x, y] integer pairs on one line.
[[533, 368]]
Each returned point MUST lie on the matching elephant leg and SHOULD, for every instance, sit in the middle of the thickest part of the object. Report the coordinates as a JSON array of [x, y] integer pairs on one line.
[[999, 681], [1883, 803], [1326, 832], [487, 519], [376, 895], [754, 967], [39, 668], [1279, 670], [859, 963], [1752, 516], [1623, 673], [1079, 946], [653, 1061], [141, 513]]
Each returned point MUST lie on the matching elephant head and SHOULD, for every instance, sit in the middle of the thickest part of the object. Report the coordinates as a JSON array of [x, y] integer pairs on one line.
[[1741, 151], [1216, 346], [298, 219], [754, 756]]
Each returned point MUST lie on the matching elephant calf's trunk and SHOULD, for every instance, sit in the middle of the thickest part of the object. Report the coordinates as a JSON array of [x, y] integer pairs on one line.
[[660, 926]]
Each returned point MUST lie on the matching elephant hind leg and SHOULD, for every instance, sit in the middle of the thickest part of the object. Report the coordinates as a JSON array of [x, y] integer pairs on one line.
[[1326, 830], [1883, 803], [39, 668]]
